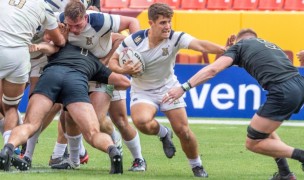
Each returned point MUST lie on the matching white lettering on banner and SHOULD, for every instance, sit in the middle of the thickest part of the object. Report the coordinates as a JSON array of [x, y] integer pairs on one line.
[[225, 92], [217, 94], [243, 89]]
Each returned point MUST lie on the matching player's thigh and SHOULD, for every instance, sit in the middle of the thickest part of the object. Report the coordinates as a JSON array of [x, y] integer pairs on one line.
[[84, 116]]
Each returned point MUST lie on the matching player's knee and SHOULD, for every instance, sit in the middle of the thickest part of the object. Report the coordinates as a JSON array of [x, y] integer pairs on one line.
[[12, 101], [183, 133], [254, 136]]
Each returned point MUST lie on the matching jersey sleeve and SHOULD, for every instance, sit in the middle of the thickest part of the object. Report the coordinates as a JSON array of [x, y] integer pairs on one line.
[[102, 74], [50, 21], [182, 39], [116, 23], [233, 52]]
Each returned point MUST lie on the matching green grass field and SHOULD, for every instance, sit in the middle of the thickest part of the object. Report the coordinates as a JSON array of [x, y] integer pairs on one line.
[[221, 147]]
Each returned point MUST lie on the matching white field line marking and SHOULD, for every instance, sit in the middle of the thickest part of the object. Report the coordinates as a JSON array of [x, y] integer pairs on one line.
[[223, 122]]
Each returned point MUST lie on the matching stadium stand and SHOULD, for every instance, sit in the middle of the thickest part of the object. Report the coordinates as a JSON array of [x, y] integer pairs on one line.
[[193, 4], [245, 4], [175, 4], [115, 4], [219, 4], [140, 4], [294, 5], [270, 5]]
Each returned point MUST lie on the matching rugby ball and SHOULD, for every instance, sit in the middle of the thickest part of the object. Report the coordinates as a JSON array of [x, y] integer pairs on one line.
[[131, 54]]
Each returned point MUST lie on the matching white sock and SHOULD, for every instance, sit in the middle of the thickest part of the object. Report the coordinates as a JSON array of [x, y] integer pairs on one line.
[[31, 144], [2, 126], [58, 150], [134, 147], [74, 144], [20, 119], [6, 135], [195, 162], [81, 148], [162, 131], [115, 136]]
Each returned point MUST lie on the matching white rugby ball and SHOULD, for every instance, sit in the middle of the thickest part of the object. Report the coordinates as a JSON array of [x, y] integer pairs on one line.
[[131, 54]]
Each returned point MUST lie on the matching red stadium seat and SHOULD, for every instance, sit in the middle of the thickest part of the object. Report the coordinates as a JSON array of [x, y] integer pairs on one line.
[[175, 4], [193, 4], [294, 5], [115, 4], [182, 58], [219, 4], [245, 4], [270, 4], [140, 4]]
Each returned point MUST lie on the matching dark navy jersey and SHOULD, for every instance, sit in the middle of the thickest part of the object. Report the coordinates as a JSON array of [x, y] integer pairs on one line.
[[81, 60], [263, 60]]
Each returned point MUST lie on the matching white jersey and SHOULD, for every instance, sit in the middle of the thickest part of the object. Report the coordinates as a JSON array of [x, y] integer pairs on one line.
[[59, 5], [96, 36], [21, 18], [159, 61]]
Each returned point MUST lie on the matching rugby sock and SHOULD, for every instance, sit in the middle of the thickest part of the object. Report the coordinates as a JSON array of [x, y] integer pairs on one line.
[[6, 135], [10, 147], [81, 148], [20, 119], [59, 150], [282, 166], [115, 136], [298, 154], [31, 144], [134, 147], [2, 125], [74, 144], [162, 131], [195, 162], [113, 151]]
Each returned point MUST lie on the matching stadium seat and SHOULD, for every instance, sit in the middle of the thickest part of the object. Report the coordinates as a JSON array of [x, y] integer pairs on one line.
[[219, 4], [175, 4], [140, 4], [182, 58], [270, 4], [245, 4], [195, 59], [115, 4], [193, 4], [294, 5]]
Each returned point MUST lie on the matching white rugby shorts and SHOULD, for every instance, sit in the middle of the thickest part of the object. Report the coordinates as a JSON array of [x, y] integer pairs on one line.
[[155, 96], [15, 64]]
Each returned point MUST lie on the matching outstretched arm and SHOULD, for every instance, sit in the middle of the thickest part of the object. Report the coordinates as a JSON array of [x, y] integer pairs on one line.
[[200, 77], [44, 47], [206, 46]]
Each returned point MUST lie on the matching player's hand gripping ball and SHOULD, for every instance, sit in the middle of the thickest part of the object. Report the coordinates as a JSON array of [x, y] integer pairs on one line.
[[131, 54]]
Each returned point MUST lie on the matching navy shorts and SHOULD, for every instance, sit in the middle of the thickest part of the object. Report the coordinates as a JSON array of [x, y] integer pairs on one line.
[[63, 85], [283, 99]]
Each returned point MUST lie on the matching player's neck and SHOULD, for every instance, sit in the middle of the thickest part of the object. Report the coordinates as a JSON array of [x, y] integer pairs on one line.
[[154, 40]]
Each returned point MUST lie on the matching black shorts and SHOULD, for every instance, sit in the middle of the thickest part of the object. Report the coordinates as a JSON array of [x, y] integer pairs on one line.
[[283, 99], [63, 85]]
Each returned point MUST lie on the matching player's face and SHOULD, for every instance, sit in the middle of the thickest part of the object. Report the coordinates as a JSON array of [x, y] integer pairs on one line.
[[76, 26], [162, 27]]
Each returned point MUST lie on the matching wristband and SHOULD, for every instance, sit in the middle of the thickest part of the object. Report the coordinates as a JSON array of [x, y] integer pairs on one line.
[[186, 86]]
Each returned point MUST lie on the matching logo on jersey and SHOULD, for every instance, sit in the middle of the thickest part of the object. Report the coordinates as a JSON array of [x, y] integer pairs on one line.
[[19, 4], [165, 52], [89, 40], [138, 40]]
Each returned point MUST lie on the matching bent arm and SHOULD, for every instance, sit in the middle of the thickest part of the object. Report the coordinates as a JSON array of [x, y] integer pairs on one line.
[[129, 23], [200, 77], [56, 36], [119, 81]]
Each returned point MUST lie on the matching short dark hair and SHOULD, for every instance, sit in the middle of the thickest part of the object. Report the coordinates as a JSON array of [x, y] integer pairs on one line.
[[157, 9], [246, 31], [74, 9]]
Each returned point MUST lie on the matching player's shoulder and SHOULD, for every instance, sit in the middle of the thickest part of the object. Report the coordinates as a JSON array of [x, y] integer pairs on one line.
[[99, 20]]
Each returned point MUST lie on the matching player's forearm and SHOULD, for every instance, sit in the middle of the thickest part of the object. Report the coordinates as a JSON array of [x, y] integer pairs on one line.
[[47, 48], [213, 48]]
